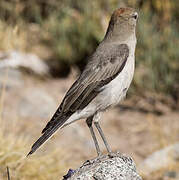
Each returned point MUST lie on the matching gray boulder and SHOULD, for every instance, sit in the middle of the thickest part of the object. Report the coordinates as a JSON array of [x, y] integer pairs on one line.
[[119, 167], [17, 59], [160, 159], [11, 78]]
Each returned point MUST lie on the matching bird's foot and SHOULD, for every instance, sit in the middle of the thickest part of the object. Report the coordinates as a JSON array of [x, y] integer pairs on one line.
[[112, 155], [100, 157], [92, 161]]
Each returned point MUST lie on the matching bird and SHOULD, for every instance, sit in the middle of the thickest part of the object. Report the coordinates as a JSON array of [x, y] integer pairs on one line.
[[102, 84]]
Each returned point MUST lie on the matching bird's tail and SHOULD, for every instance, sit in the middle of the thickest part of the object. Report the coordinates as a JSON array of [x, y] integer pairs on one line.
[[48, 133]]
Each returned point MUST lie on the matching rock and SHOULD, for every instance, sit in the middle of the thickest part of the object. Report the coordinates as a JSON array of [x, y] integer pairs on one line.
[[36, 102], [160, 159], [171, 174], [11, 78], [119, 167], [16, 59]]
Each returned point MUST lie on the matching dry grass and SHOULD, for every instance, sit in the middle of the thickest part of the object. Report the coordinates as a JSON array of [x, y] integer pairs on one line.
[[13, 150], [14, 147], [12, 37]]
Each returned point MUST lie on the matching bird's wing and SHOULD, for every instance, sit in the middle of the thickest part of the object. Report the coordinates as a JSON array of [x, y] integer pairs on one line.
[[102, 68]]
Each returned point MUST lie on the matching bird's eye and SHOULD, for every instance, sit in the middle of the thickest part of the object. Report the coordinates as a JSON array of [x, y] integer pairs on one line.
[[135, 15]]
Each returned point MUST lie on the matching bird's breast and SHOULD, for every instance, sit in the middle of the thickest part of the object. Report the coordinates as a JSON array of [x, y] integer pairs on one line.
[[116, 90]]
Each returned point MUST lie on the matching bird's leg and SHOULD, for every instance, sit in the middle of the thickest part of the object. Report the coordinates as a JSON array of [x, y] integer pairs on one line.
[[96, 123], [89, 123]]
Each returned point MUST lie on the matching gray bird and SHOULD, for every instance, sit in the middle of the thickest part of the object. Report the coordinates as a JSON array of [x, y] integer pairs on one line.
[[104, 81]]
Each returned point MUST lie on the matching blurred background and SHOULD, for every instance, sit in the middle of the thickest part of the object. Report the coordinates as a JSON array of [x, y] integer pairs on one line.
[[44, 45]]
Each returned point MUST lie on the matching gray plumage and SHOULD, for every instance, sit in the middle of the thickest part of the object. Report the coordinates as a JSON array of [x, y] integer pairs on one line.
[[106, 67]]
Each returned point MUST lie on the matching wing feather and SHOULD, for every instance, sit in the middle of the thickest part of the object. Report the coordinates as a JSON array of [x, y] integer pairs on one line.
[[102, 68]]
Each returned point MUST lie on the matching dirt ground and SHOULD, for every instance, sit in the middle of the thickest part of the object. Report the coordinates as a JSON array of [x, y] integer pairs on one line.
[[138, 127]]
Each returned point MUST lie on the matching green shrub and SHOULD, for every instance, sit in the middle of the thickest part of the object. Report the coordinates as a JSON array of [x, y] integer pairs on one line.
[[72, 29]]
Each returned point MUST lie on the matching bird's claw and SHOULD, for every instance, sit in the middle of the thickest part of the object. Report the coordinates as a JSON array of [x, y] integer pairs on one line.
[[112, 155], [92, 161]]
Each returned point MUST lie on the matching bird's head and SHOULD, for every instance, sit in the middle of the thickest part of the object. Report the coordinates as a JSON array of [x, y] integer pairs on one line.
[[122, 23]]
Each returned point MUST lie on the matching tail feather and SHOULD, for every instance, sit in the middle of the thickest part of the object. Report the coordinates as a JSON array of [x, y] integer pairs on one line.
[[53, 120], [47, 134]]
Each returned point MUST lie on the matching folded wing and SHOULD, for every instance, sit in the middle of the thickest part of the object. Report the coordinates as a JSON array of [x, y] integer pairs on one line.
[[103, 67]]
